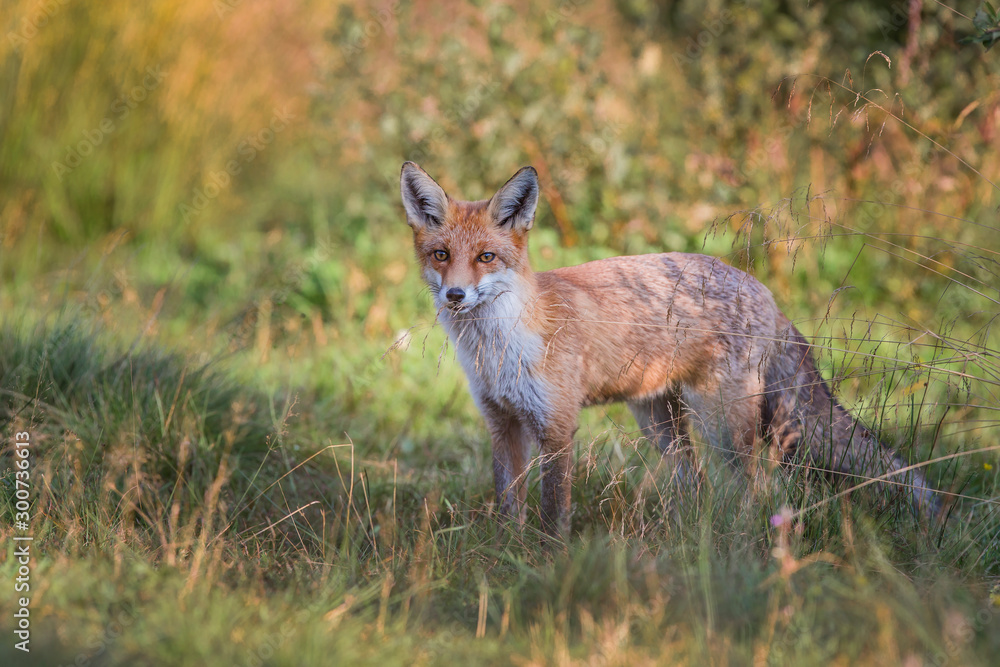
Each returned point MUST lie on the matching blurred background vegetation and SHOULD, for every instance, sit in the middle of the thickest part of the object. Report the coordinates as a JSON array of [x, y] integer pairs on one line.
[[224, 178], [220, 180]]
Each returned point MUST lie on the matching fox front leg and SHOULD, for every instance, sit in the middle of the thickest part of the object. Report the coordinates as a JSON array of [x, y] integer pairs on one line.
[[511, 445], [557, 478]]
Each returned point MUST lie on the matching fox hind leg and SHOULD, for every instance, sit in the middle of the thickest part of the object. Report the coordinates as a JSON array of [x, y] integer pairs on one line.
[[728, 416], [663, 422]]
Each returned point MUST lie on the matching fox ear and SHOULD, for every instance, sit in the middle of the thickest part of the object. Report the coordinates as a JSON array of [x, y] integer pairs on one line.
[[425, 202], [514, 204]]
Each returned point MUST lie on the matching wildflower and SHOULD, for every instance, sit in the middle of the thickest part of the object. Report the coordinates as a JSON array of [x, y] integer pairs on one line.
[[782, 518], [987, 466]]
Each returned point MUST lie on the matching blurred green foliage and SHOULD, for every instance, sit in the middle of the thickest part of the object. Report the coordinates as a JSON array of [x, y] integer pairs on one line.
[[987, 24]]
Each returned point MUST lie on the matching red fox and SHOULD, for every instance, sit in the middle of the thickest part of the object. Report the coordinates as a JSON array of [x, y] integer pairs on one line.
[[679, 337]]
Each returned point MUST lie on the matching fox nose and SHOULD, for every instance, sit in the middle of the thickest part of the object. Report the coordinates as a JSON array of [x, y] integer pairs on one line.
[[455, 294]]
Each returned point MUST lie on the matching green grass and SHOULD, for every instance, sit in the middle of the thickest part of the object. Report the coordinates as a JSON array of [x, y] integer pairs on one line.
[[166, 516]]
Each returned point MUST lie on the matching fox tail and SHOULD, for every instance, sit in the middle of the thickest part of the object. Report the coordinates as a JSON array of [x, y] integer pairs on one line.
[[799, 410]]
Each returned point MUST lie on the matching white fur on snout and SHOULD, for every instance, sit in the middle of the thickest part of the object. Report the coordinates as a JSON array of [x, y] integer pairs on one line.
[[470, 301]]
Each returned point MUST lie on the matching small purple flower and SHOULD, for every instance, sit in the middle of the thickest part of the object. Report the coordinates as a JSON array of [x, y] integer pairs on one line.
[[782, 518]]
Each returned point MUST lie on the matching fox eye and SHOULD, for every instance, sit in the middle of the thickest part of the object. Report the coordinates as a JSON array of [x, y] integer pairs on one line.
[[486, 257], [440, 255]]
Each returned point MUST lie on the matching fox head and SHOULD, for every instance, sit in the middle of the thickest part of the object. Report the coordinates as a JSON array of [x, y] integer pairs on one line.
[[471, 252]]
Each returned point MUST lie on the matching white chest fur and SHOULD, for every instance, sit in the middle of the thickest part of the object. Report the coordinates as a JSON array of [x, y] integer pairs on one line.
[[501, 356]]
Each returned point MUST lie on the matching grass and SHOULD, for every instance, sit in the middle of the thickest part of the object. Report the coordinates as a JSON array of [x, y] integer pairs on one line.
[[251, 444], [214, 537]]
